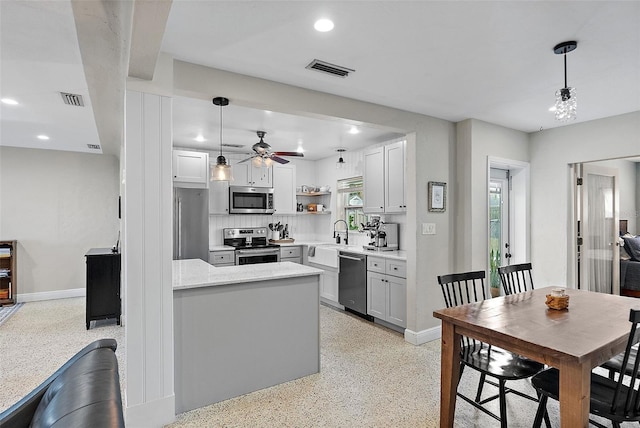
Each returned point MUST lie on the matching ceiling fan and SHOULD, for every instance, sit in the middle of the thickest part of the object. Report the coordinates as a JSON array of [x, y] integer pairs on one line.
[[264, 155]]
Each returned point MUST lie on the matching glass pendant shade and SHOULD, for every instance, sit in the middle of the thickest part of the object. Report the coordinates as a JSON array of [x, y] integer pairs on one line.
[[566, 104], [221, 171]]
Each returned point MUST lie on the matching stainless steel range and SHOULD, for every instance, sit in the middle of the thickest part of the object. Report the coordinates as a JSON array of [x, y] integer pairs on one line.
[[251, 245]]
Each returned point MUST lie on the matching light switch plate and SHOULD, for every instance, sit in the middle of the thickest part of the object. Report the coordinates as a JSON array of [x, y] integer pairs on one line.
[[428, 228]]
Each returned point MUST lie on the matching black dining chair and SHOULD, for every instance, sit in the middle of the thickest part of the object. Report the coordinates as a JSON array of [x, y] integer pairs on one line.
[[615, 400], [462, 288], [516, 278]]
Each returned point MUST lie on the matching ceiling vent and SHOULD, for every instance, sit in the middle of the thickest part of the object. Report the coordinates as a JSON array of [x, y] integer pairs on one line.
[[233, 146], [72, 99], [332, 69], [94, 146]]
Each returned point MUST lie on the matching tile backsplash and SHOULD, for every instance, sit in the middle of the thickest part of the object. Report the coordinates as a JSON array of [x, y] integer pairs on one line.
[[301, 227]]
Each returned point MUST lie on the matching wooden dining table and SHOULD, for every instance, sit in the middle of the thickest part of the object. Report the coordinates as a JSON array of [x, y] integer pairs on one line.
[[591, 330]]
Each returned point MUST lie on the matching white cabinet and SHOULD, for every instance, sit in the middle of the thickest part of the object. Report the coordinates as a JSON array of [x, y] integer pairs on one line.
[[190, 169], [291, 254], [387, 290], [329, 286], [373, 180], [394, 194], [284, 188], [219, 197], [222, 258], [245, 174], [384, 179]]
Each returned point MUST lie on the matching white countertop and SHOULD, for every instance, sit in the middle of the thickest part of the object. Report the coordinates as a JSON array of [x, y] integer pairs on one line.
[[398, 254], [195, 273]]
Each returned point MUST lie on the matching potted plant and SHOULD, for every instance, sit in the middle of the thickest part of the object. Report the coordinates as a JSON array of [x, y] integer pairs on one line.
[[494, 278]]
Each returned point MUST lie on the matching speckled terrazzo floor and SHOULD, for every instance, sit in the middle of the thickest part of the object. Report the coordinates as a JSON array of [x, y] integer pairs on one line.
[[40, 337], [370, 376]]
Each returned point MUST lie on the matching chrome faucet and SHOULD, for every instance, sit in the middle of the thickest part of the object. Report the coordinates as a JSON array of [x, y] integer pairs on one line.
[[337, 234]]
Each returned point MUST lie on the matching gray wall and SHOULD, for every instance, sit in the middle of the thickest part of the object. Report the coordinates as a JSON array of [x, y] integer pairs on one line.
[[57, 205], [551, 153]]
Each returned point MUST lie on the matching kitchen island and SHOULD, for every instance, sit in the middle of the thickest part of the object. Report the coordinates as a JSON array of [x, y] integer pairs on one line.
[[239, 329]]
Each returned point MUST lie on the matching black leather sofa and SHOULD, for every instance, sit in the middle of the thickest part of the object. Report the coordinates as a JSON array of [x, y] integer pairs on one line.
[[84, 392]]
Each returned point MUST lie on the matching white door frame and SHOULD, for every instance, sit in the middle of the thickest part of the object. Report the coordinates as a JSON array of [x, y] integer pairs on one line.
[[519, 208]]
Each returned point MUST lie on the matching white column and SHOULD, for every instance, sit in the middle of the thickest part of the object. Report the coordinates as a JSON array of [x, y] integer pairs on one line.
[[148, 293]]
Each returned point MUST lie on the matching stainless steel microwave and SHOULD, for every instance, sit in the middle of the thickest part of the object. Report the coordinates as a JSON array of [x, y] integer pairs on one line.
[[250, 200]]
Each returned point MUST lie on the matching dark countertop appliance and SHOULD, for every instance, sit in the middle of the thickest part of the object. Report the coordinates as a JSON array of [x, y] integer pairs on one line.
[[251, 245]]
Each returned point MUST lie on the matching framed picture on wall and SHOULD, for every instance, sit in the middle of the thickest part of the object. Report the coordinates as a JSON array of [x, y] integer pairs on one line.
[[437, 196]]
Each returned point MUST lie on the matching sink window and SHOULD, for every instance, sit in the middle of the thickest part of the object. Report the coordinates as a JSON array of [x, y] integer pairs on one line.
[[350, 202]]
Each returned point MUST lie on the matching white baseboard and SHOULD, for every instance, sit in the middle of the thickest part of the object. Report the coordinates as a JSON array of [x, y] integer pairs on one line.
[[423, 336], [51, 295], [157, 413]]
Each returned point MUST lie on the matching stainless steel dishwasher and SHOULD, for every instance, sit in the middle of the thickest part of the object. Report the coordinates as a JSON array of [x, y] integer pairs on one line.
[[352, 282]]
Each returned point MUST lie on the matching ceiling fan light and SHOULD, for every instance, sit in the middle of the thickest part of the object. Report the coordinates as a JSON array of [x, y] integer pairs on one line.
[[257, 162], [267, 162]]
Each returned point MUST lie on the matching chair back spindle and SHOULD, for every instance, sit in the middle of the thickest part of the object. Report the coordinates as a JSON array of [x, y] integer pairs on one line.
[[516, 278], [632, 399]]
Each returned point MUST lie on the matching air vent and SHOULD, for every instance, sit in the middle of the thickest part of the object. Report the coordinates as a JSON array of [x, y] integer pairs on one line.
[[233, 146], [325, 67], [72, 99], [93, 146]]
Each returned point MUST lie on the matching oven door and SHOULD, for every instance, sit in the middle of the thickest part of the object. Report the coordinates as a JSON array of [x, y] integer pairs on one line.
[[250, 257]]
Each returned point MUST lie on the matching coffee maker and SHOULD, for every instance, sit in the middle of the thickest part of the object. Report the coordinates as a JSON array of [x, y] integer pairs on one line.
[[383, 236]]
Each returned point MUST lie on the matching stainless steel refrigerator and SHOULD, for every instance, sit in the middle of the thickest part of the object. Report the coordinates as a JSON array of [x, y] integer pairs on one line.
[[190, 224]]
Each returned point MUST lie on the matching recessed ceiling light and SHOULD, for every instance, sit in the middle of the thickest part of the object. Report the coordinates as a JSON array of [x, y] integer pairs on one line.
[[552, 108], [354, 130], [9, 101], [323, 25], [200, 138], [300, 149], [43, 137]]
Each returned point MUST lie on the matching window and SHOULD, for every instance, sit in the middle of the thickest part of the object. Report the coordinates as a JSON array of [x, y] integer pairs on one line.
[[350, 202]]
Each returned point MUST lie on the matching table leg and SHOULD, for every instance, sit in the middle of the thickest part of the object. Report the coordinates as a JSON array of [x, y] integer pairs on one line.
[[575, 390], [449, 374]]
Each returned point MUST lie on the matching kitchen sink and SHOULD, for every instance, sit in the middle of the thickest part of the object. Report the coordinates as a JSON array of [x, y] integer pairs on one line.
[[327, 254]]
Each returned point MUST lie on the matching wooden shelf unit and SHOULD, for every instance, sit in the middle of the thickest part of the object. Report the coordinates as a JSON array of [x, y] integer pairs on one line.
[[8, 272]]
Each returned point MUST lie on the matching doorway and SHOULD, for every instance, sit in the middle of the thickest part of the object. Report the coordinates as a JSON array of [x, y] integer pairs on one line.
[[596, 225], [499, 222], [508, 232]]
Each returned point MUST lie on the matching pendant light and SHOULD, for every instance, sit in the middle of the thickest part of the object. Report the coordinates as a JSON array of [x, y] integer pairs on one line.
[[566, 102], [341, 163], [221, 171]]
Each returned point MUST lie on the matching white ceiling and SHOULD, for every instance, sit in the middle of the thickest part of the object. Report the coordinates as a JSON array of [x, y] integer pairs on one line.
[[489, 60]]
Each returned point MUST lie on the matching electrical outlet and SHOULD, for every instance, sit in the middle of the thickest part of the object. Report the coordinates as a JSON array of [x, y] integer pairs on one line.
[[428, 228]]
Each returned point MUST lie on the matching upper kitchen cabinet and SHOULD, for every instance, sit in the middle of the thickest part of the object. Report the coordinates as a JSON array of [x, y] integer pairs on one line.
[[373, 180], [394, 198], [245, 174], [190, 169], [384, 179], [284, 188]]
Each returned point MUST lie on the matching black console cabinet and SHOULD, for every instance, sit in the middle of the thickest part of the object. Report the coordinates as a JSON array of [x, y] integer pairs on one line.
[[103, 285]]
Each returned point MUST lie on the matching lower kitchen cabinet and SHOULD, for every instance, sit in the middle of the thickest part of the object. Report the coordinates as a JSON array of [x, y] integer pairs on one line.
[[222, 258], [291, 254], [329, 285], [387, 290]]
